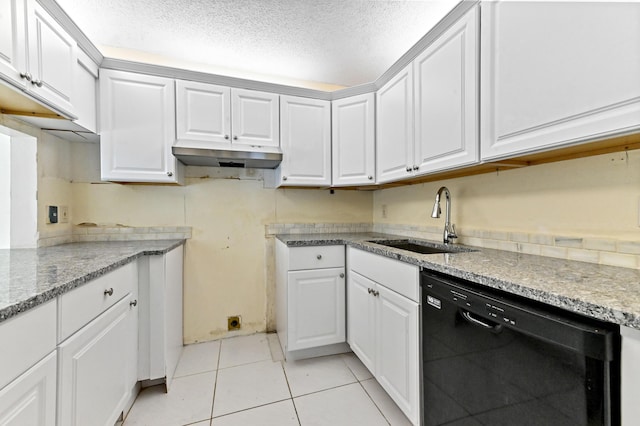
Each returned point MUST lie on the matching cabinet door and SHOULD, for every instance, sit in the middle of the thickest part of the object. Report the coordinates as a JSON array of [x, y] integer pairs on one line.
[[92, 370], [397, 352], [306, 142], [316, 308], [255, 118], [85, 93], [353, 147], [52, 59], [31, 398], [394, 128], [203, 114], [446, 99], [13, 49], [137, 119], [630, 376], [557, 73], [361, 321]]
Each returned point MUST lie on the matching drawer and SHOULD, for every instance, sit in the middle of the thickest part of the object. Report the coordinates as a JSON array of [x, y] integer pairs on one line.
[[398, 276], [316, 257], [81, 305], [27, 338]]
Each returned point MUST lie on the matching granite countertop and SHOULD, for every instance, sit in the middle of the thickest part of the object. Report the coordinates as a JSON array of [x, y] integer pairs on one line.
[[604, 292], [30, 277]]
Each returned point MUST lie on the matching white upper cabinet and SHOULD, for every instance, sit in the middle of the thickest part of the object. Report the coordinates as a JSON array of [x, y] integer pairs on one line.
[[306, 142], [255, 118], [85, 93], [203, 114], [446, 99], [353, 144], [208, 115], [557, 73], [137, 119], [36, 54], [394, 128], [13, 61]]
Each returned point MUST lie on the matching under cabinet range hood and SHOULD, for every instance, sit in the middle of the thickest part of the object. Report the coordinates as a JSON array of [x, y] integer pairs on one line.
[[227, 158]]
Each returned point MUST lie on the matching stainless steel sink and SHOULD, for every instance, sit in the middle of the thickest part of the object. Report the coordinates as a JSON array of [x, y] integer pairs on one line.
[[420, 247]]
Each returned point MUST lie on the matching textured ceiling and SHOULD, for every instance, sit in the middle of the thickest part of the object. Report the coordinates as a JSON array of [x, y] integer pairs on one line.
[[338, 42]]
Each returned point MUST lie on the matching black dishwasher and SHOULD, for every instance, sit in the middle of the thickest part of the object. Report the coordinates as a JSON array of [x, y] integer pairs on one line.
[[490, 358]]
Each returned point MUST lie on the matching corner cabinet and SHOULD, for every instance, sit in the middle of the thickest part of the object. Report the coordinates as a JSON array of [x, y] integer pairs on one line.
[[306, 142], [137, 120], [446, 99], [353, 140], [556, 74], [383, 321], [310, 300]]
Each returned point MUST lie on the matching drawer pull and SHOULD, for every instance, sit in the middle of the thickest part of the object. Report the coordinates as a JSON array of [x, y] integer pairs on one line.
[[375, 293], [369, 290], [319, 257], [109, 292], [133, 303], [341, 275]]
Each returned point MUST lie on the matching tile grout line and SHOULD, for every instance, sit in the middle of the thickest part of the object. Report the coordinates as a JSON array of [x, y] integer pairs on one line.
[[215, 383], [374, 402], [284, 371]]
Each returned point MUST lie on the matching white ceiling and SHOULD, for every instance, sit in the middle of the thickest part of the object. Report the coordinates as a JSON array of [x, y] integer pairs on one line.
[[298, 42]]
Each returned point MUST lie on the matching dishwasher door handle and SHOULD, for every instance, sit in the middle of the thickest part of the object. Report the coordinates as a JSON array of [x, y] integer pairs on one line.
[[497, 328]]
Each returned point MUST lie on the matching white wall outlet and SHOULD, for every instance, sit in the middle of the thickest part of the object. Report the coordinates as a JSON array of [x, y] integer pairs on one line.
[[63, 214]]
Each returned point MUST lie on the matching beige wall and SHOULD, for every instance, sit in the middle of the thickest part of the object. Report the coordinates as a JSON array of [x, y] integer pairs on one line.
[[228, 261], [597, 196]]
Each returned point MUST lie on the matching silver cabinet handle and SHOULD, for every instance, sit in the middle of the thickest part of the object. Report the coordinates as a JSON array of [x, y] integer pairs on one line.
[[226, 137], [26, 76], [133, 303], [369, 290], [284, 178], [235, 138], [341, 275], [370, 177], [108, 292], [169, 174], [375, 293], [416, 167], [37, 83], [408, 169], [319, 257]]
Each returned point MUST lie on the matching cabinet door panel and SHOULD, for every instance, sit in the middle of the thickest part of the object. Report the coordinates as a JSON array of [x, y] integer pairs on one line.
[[93, 370], [255, 118], [361, 322], [577, 80], [316, 308], [12, 41], [203, 113], [446, 101], [31, 398], [397, 352], [353, 150], [394, 127], [306, 141], [52, 59], [137, 127]]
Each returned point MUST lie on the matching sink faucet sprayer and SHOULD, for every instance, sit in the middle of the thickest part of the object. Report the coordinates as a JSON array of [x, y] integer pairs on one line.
[[449, 228]]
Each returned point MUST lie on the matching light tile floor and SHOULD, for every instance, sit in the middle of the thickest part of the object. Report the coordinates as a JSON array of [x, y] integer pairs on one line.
[[244, 381]]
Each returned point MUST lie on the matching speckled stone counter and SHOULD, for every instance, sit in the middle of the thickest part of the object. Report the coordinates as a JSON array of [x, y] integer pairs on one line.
[[30, 277], [605, 292]]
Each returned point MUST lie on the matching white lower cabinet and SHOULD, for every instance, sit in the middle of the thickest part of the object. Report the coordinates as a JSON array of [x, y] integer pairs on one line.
[[310, 300], [630, 376], [383, 324], [31, 398], [93, 367]]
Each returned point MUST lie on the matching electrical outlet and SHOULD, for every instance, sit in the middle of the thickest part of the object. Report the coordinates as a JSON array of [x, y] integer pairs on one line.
[[63, 214], [52, 214]]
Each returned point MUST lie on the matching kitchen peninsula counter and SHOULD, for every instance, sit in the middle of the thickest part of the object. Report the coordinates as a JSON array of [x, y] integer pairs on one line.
[[30, 277], [604, 292]]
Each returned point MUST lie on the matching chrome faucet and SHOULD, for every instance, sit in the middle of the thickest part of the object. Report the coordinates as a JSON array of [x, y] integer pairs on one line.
[[449, 228]]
